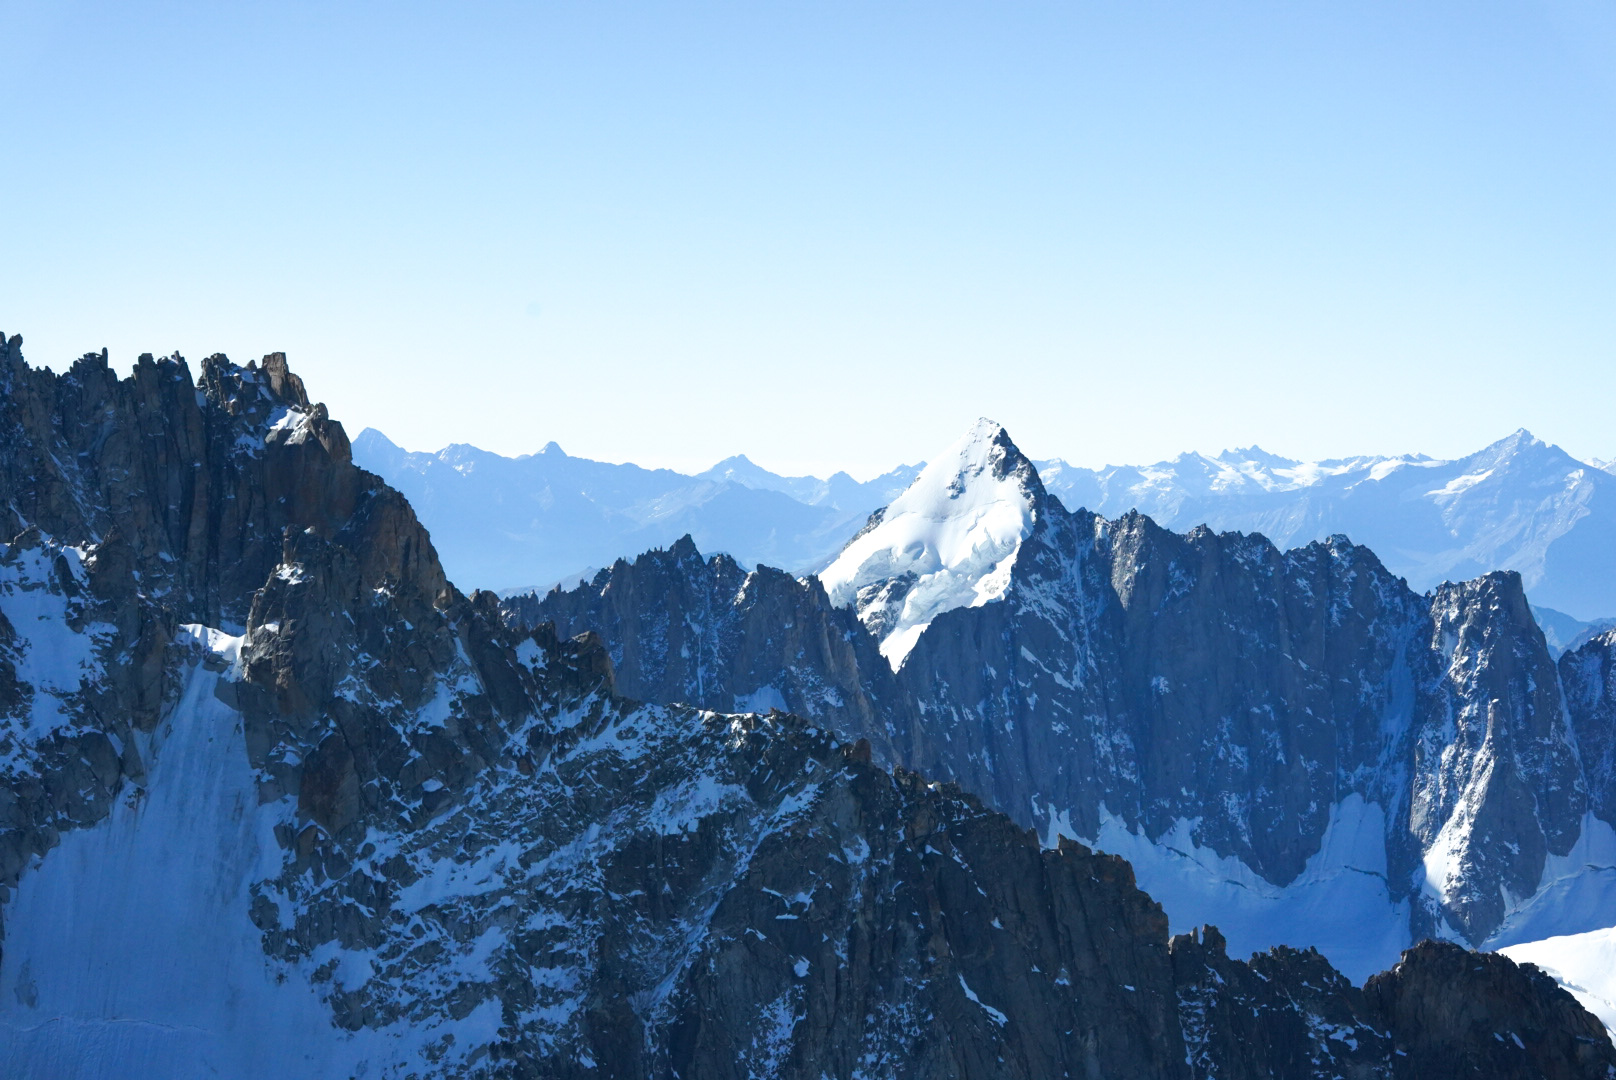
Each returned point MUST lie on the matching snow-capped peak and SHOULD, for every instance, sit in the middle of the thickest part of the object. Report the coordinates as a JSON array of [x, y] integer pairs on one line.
[[1241, 455], [949, 541]]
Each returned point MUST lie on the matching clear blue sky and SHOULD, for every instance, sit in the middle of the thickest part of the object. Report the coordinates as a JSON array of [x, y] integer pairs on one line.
[[832, 235]]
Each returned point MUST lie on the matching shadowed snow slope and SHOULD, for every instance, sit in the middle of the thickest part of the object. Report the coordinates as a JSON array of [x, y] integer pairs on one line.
[[947, 542], [130, 950]]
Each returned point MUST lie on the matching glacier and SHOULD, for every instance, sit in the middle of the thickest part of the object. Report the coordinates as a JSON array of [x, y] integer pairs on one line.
[[129, 950]]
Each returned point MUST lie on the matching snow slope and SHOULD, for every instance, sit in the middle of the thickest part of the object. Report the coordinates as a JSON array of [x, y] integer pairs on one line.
[[1577, 892], [1340, 904], [947, 542], [129, 952], [54, 653], [1584, 964]]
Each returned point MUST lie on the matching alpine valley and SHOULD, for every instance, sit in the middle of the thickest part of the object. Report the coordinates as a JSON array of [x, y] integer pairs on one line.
[[278, 799]]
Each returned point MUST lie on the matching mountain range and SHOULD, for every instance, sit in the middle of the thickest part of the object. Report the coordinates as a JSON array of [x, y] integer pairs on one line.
[[1520, 504], [1294, 745], [547, 518], [277, 798]]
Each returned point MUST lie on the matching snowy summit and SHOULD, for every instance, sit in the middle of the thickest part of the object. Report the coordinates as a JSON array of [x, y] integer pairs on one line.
[[947, 542]]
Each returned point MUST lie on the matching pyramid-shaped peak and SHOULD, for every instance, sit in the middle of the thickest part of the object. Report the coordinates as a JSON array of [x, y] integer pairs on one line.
[[949, 541], [986, 432], [1521, 447], [684, 549], [1519, 439], [984, 454], [736, 465], [372, 438], [985, 428]]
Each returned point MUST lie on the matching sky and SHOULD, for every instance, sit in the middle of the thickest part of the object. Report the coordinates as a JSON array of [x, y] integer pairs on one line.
[[829, 236]]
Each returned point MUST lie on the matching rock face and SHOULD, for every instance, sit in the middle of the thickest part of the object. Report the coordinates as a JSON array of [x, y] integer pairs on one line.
[[1205, 690], [136, 506], [1506, 1024], [345, 822], [704, 631], [1589, 677]]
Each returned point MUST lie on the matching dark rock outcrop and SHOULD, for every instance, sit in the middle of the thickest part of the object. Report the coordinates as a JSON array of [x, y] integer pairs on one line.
[[1588, 674], [681, 628], [1510, 1020]]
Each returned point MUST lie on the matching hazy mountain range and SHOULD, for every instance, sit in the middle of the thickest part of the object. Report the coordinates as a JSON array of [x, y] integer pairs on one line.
[[507, 523], [1519, 504]]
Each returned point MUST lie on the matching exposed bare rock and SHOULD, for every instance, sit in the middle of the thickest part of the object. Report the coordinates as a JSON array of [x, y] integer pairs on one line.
[[1588, 674], [1508, 1020]]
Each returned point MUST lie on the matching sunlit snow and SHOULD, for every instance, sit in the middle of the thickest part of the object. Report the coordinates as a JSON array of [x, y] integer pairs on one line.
[[956, 530], [1584, 964]]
